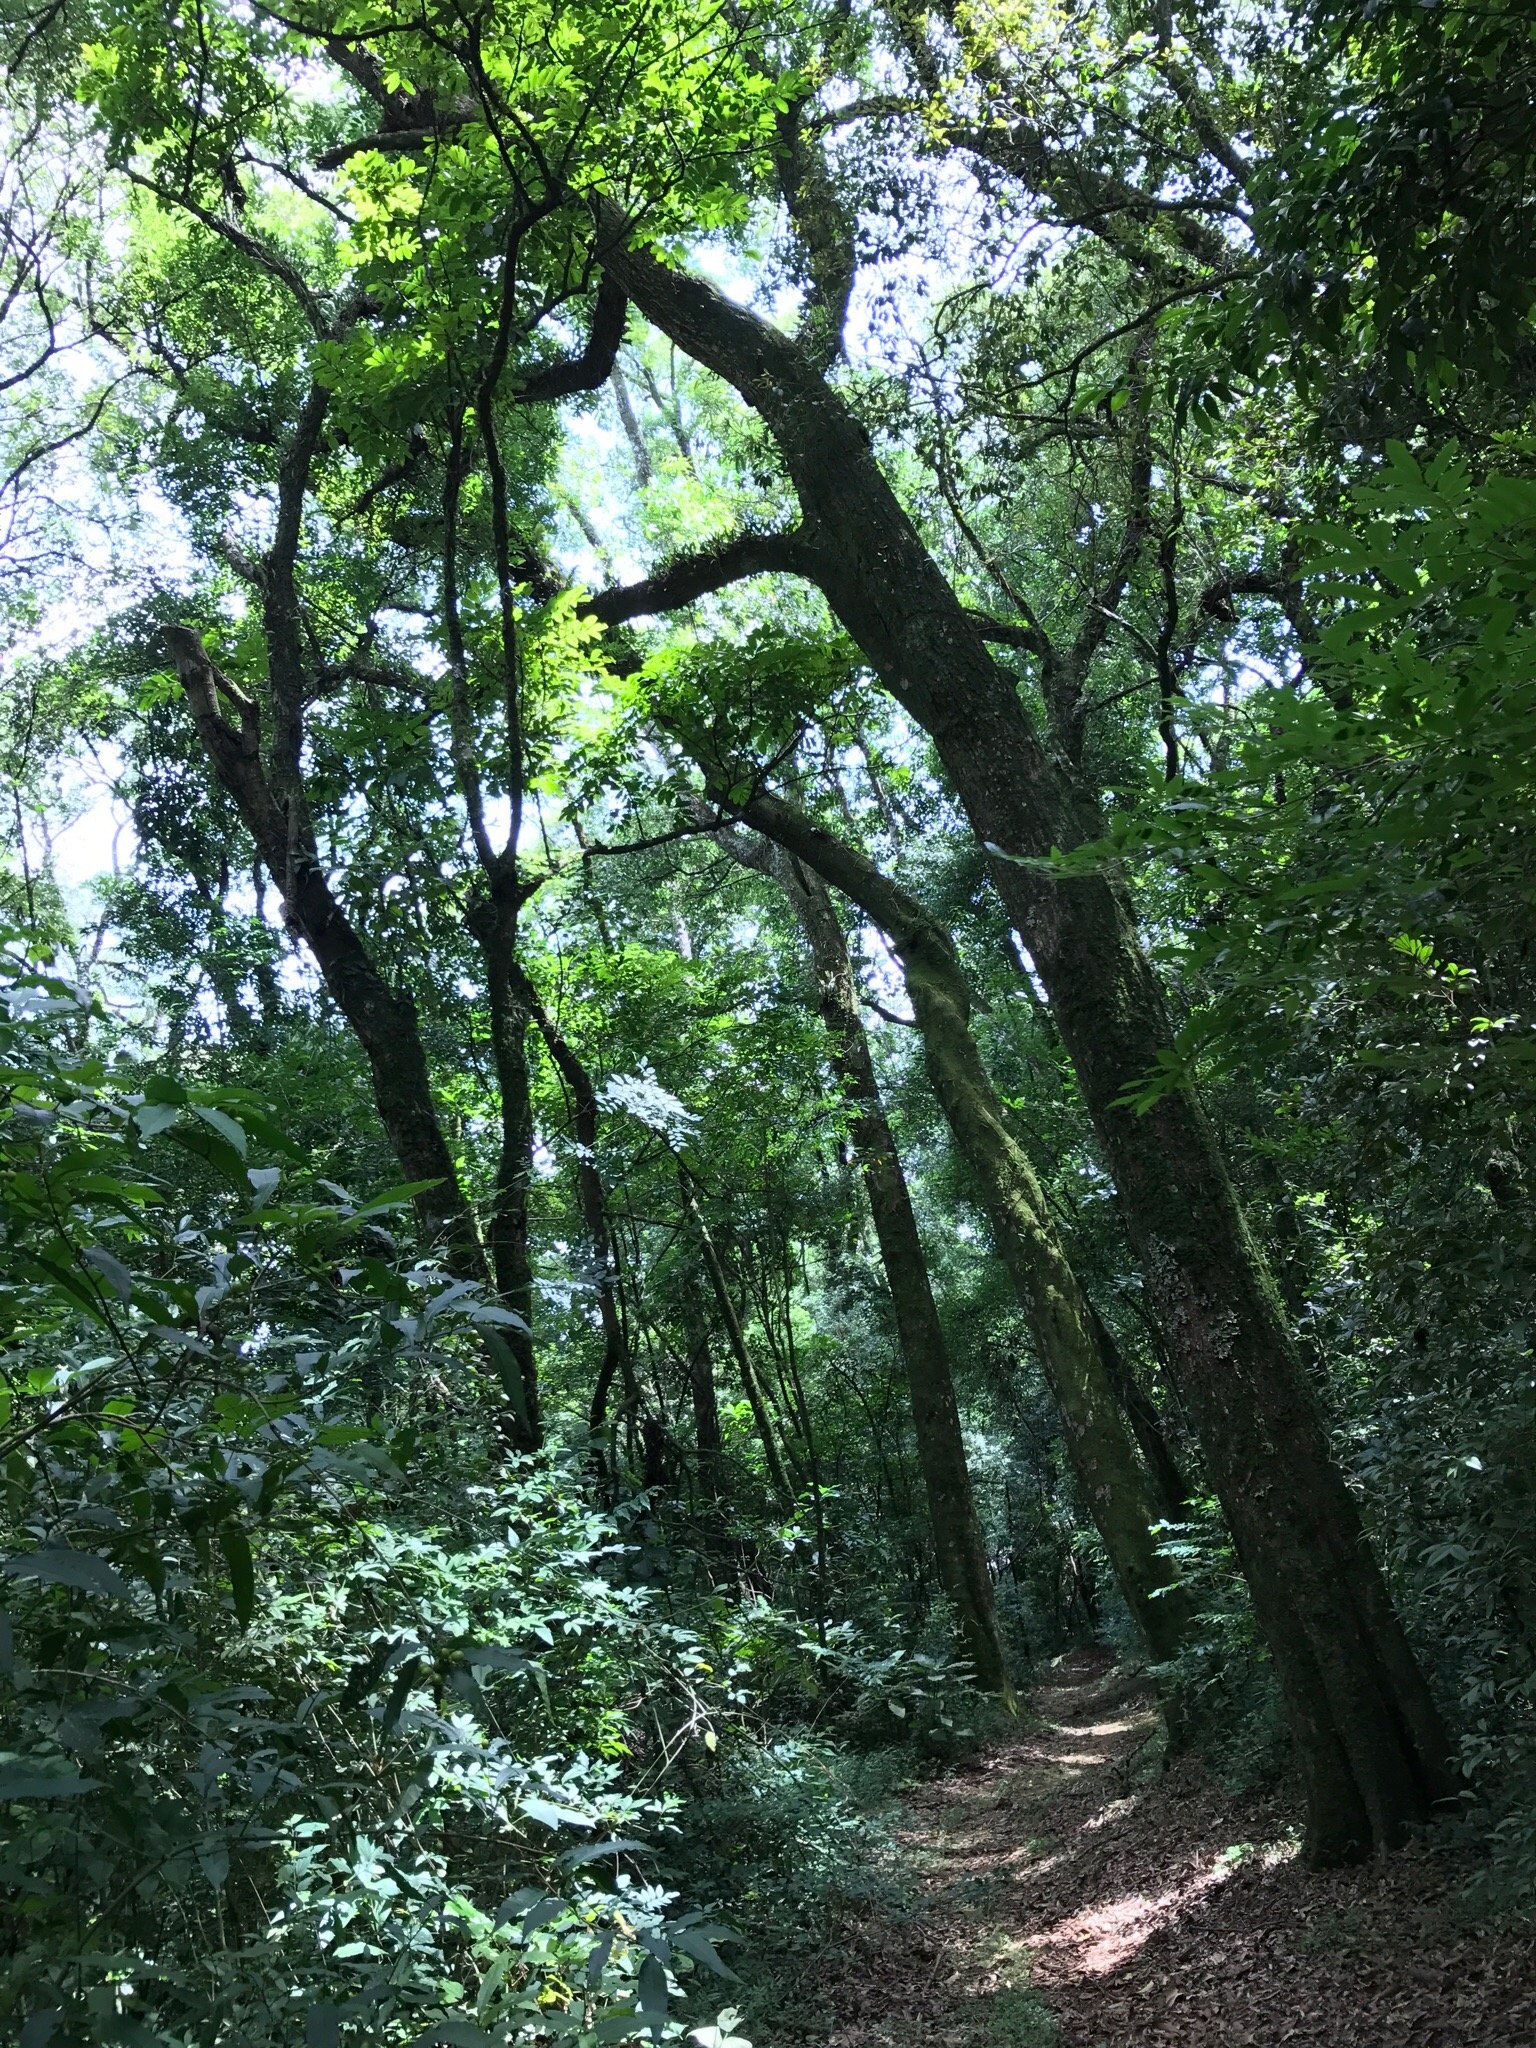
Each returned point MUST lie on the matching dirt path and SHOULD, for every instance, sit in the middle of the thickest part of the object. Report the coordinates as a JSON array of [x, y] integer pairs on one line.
[[1066, 1905]]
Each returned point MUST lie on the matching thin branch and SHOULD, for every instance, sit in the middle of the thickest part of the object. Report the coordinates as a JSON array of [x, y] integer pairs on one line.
[[269, 259]]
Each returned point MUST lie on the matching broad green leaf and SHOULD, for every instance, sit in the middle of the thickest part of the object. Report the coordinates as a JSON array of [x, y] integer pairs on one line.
[[59, 1565], [548, 1815], [242, 1573]]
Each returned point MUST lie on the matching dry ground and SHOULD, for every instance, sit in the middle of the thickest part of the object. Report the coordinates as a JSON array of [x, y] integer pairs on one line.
[[1066, 1905]]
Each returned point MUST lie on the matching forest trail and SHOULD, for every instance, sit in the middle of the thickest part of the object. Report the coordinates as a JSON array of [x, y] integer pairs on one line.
[[1067, 1904]]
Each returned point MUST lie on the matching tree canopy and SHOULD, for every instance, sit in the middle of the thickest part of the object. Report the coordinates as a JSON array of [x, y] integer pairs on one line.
[[766, 927]]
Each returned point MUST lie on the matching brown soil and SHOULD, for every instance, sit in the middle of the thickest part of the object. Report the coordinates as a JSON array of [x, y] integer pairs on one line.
[[1069, 1905]]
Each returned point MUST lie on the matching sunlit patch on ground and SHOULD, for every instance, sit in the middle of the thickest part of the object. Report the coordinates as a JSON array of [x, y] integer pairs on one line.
[[1117, 1809], [1102, 1937]]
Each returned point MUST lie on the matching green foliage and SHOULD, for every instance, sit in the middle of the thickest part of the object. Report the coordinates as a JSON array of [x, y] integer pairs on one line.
[[322, 1718], [1227, 1702], [1397, 211], [286, 1707]]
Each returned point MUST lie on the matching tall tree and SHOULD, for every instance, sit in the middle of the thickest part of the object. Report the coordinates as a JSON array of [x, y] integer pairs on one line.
[[1372, 1746], [957, 1536], [1066, 1331]]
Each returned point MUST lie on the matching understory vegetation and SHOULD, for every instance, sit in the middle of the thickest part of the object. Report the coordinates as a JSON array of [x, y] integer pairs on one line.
[[767, 909]]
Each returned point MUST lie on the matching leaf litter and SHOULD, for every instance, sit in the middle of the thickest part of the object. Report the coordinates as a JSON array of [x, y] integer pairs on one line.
[[1066, 1904]]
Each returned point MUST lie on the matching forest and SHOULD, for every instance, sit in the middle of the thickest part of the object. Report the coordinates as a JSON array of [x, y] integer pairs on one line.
[[768, 949]]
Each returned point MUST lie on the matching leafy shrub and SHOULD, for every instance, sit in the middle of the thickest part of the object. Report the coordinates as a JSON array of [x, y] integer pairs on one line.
[[276, 1759]]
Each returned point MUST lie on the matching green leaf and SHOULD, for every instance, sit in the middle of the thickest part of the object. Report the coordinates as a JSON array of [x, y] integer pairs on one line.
[[322, 2026], [652, 1993], [59, 1565], [516, 1902], [17, 1782], [540, 1914], [509, 1373], [394, 1198], [550, 1816], [208, 1144], [112, 1270], [693, 1941], [242, 1572], [722, 2034], [226, 1126], [400, 1692], [594, 1852]]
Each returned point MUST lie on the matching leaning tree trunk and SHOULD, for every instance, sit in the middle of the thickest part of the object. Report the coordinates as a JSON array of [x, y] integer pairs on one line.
[[1169, 1486], [382, 1019], [1370, 1741], [958, 1543], [1113, 1482], [261, 765]]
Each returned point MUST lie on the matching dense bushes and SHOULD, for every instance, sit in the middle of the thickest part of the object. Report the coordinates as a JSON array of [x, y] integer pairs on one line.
[[320, 1720]]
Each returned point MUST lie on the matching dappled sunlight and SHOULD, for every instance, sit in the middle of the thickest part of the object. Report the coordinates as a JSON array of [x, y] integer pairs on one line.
[[1117, 1809], [1100, 1938], [1068, 1904]]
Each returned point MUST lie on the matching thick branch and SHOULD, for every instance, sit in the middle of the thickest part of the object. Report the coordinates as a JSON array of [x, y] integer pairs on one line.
[[592, 368], [690, 577]]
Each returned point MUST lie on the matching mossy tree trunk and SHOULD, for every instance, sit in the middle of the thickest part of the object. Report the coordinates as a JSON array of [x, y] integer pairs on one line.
[[1114, 1484], [1371, 1745]]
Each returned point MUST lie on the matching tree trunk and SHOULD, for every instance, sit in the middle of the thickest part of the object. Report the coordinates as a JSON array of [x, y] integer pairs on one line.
[[708, 1442], [736, 1338], [1371, 1745], [492, 920], [957, 1537], [1103, 1456], [382, 1019], [1170, 1487], [593, 1197]]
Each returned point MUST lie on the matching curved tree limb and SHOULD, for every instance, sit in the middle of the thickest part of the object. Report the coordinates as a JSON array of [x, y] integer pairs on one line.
[[592, 368], [690, 577]]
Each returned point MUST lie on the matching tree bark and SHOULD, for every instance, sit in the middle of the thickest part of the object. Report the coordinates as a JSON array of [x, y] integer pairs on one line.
[[492, 920], [1371, 1745], [1170, 1487], [382, 1019], [593, 1198], [708, 1442]]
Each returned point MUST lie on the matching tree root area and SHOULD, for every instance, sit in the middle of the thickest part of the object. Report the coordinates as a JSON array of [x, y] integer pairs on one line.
[[1069, 1903]]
